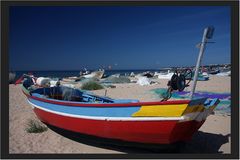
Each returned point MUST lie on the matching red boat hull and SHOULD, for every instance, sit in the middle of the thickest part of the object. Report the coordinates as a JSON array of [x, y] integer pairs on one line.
[[157, 132]]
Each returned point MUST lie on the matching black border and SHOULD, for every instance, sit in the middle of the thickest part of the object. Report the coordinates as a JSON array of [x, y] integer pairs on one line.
[[234, 78]]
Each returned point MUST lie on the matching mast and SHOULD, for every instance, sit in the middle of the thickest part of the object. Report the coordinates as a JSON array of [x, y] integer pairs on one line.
[[207, 34]]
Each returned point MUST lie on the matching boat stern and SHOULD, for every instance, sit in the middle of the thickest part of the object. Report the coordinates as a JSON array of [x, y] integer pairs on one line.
[[200, 109], [194, 117]]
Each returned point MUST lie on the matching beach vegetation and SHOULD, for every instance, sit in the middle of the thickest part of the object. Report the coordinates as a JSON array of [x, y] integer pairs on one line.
[[34, 126], [91, 85]]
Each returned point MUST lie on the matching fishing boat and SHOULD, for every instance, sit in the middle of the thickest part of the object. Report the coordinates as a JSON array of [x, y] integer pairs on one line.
[[96, 74], [164, 75], [202, 76], [224, 73], [71, 79], [213, 72], [128, 120], [148, 74], [160, 122], [84, 72]]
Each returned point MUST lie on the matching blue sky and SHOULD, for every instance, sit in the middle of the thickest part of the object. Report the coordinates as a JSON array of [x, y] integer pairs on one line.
[[150, 37]]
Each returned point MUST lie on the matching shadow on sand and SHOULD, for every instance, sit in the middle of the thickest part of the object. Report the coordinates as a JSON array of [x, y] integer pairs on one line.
[[201, 143]]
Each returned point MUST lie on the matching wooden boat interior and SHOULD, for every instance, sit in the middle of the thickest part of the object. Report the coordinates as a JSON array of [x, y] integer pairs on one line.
[[71, 94]]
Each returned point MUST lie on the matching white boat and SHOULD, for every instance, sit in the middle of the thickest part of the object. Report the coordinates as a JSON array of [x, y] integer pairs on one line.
[[84, 72], [164, 75], [228, 73], [96, 74], [205, 74], [70, 79]]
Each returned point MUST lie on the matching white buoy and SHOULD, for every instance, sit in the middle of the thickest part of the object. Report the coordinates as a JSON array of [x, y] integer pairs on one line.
[[41, 81]]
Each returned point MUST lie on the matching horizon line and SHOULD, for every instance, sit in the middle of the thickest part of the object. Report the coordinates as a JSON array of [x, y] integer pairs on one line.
[[118, 69]]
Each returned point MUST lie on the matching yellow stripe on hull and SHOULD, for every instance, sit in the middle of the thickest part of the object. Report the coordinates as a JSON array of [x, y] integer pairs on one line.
[[191, 109], [161, 111], [167, 110], [173, 110]]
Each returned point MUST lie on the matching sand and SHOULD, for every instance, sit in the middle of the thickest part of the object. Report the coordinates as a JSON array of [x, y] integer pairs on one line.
[[213, 137]]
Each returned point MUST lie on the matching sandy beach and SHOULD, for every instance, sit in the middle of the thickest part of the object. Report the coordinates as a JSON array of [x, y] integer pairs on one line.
[[213, 137]]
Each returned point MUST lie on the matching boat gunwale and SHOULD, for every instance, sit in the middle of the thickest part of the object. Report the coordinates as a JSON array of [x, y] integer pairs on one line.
[[132, 104]]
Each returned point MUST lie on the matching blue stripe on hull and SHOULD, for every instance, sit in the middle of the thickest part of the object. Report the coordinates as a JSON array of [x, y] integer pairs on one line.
[[89, 111]]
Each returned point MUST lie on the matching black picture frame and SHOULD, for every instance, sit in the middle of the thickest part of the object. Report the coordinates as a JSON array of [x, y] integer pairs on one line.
[[234, 79]]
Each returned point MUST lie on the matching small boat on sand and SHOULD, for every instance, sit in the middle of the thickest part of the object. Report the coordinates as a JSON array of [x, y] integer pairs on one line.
[[224, 73], [213, 72], [128, 120], [96, 74], [71, 79], [164, 75], [84, 72], [202, 76]]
